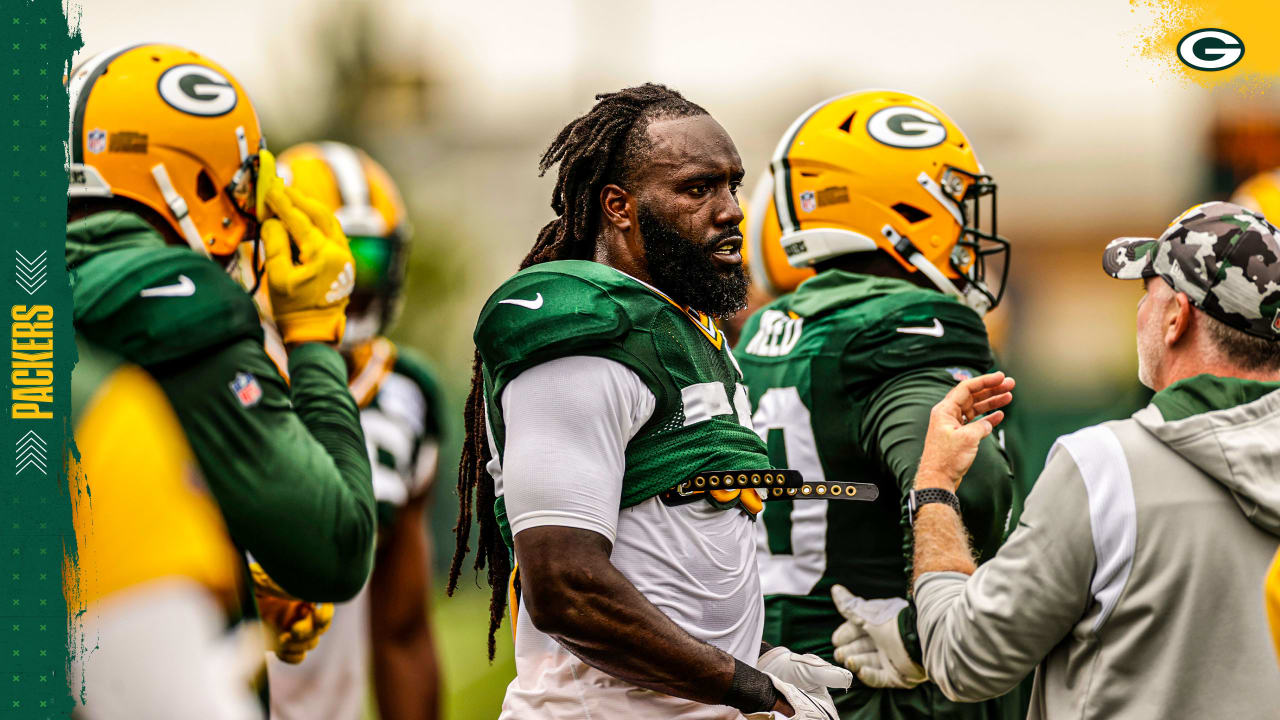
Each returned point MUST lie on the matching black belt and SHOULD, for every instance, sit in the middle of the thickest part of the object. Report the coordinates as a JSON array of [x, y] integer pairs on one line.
[[778, 484]]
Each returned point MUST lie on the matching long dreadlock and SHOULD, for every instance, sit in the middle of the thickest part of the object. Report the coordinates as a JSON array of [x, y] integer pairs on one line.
[[604, 146]]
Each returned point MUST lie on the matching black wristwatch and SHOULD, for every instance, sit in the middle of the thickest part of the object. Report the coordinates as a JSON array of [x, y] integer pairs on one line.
[[917, 499]]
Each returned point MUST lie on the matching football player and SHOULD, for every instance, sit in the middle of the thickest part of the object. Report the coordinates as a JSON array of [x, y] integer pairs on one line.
[[874, 215], [400, 409], [609, 443], [153, 579], [168, 176], [1262, 193]]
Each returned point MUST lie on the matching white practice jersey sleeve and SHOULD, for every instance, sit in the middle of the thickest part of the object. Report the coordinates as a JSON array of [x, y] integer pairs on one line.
[[565, 465]]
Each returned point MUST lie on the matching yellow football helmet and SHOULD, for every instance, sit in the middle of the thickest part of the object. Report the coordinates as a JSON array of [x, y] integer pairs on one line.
[[762, 250], [170, 129], [1262, 193], [885, 170], [368, 205]]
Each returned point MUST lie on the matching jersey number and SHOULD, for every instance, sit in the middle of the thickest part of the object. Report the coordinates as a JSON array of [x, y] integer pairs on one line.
[[782, 421]]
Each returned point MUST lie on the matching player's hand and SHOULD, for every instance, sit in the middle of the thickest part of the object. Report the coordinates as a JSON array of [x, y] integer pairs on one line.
[[957, 424], [807, 672], [804, 705], [308, 297], [295, 625], [869, 643]]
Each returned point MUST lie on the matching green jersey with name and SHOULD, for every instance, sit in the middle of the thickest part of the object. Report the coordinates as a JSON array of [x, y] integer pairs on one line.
[[701, 419], [842, 374]]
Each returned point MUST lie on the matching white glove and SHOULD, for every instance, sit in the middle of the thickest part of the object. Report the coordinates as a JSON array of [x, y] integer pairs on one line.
[[869, 643], [807, 705], [810, 673]]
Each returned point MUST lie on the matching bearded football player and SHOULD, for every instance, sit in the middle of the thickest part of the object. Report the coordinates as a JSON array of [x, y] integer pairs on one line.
[[400, 407], [609, 451], [874, 215], [168, 177]]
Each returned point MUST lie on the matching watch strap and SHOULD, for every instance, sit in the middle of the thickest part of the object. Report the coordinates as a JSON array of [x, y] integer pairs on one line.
[[917, 499]]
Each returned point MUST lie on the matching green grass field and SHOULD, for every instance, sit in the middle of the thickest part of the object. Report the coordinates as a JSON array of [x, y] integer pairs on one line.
[[473, 688]]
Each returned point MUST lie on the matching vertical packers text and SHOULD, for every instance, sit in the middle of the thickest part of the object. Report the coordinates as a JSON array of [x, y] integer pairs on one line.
[[31, 362]]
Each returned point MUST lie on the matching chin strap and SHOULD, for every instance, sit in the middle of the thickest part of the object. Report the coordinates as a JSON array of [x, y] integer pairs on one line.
[[178, 207], [973, 298]]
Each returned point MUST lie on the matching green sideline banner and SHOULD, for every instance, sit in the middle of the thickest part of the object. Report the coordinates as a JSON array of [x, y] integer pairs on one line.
[[36, 534]]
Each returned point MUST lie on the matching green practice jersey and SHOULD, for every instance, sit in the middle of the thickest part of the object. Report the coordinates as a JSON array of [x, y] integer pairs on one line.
[[701, 419], [842, 374], [286, 463]]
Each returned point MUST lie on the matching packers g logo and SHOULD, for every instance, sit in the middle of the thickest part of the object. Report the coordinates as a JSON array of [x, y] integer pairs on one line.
[[1210, 49], [906, 127], [197, 90]]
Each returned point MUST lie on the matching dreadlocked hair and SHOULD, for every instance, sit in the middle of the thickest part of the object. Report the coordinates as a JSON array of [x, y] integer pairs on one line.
[[603, 146]]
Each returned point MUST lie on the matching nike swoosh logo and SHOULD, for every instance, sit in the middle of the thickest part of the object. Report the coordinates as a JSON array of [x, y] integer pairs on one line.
[[533, 304], [934, 330], [183, 288]]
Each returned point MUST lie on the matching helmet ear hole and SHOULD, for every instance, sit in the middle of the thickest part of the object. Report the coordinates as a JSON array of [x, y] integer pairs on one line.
[[205, 189], [911, 213]]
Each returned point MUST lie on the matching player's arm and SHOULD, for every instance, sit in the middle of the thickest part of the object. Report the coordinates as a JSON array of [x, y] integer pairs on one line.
[[893, 432], [405, 671], [878, 641], [568, 422], [287, 464]]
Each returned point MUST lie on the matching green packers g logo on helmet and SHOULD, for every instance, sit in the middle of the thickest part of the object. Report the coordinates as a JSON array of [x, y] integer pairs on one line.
[[906, 127], [1210, 49], [197, 90]]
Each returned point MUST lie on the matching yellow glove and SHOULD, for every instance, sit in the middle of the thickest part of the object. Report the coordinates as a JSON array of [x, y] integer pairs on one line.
[[747, 498], [309, 296], [296, 625]]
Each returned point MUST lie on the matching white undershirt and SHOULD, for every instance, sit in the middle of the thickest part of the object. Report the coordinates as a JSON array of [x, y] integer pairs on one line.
[[568, 423]]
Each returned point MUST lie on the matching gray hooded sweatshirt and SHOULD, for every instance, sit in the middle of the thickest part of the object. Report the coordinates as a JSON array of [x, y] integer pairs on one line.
[[1133, 582]]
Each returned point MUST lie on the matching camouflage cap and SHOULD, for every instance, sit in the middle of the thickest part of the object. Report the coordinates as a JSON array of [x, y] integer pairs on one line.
[[1224, 257]]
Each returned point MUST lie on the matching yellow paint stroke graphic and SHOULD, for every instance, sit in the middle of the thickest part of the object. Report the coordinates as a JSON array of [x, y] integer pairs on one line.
[[1256, 22]]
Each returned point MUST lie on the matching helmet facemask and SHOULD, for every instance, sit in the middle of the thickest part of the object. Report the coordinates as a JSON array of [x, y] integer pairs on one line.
[[980, 255]]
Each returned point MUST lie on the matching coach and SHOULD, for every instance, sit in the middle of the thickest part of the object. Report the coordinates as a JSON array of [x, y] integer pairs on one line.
[[1133, 581]]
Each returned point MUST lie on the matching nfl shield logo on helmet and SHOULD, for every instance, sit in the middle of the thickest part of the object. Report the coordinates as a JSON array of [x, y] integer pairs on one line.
[[1275, 323], [96, 141], [808, 201], [246, 389]]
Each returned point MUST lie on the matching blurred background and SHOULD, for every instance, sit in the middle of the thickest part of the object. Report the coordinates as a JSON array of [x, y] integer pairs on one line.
[[1087, 140]]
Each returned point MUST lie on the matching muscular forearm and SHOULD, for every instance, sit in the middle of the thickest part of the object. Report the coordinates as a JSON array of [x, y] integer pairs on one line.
[[611, 626], [594, 612]]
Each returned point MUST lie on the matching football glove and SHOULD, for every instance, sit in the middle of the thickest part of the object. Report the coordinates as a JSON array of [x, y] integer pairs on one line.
[[810, 673], [869, 643], [745, 498], [295, 625], [309, 296], [807, 705]]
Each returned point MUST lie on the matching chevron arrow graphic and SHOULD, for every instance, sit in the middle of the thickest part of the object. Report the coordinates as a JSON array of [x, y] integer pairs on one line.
[[31, 451], [31, 273]]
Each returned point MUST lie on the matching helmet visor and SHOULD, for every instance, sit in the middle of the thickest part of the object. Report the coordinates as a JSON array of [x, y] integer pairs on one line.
[[373, 256]]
